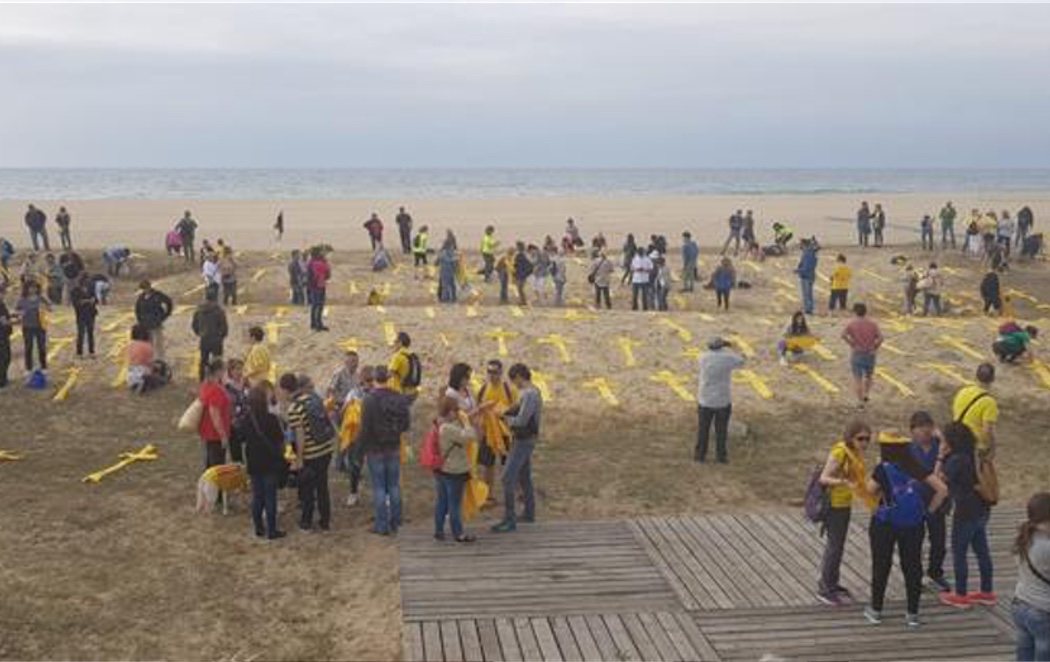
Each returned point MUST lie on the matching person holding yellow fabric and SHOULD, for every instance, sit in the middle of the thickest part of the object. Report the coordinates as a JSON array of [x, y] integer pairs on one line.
[[405, 369], [349, 425], [500, 395], [257, 361], [844, 475], [489, 245]]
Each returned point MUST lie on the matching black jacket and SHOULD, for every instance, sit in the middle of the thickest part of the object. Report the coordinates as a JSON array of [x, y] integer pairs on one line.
[[384, 417], [152, 308], [264, 445], [209, 321]]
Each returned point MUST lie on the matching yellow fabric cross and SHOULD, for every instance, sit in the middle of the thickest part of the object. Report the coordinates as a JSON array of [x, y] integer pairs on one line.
[[501, 337], [604, 388], [560, 343], [675, 382], [145, 454]]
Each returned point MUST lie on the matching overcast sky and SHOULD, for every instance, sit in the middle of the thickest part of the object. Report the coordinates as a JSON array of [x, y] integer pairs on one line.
[[525, 85]]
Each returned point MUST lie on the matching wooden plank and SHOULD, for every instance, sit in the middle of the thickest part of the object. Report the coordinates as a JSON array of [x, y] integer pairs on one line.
[[706, 590], [545, 638], [685, 596], [757, 589], [585, 640], [530, 648], [659, 638], [697, 638], [450, 641], [618, 632], [432, 650], [677, 637], [641, 639], [468, 637], [602, 638], [412, 642], [565, 639], [764, 565], [508, 640], [490, 643], [718, 568], [795, 566]]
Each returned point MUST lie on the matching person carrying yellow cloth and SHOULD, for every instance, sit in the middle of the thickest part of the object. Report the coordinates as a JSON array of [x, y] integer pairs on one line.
[[845, 477], [499, 395], [459, 492], [257, 362], [349, 426]]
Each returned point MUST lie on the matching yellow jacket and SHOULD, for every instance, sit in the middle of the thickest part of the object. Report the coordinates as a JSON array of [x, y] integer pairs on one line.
[[257, 363]]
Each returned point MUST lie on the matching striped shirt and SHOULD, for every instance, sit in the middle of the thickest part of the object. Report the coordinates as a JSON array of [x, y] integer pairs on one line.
[[298, 419]]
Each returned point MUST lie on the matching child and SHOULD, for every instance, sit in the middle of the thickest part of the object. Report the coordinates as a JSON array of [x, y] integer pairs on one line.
[[840, 278]]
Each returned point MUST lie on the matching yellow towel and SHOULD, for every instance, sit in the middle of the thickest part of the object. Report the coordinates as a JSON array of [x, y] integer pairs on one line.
[[350, 425]]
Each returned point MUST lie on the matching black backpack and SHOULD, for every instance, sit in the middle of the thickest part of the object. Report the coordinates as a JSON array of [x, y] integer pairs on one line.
[[414, 377], [321, 428]]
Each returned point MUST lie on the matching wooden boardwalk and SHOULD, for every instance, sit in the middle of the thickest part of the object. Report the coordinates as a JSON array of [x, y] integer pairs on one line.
[[720, 587]]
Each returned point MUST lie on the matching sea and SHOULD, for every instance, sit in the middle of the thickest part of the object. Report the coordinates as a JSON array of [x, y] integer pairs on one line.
[[347, 184]]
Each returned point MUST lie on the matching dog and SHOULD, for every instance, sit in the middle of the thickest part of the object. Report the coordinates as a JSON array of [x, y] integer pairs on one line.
[[221, 479]]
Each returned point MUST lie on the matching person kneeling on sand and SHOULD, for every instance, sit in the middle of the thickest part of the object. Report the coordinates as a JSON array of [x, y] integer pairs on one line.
[[145, 372], [797, 339], [1013, 342]]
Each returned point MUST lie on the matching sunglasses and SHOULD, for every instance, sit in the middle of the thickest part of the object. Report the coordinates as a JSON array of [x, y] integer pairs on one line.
[[863, 437]]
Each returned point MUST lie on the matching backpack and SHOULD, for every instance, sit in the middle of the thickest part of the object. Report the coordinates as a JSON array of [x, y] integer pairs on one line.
[[414, 377], [903, 505], [817, 502], [430, 452], [320, 426]]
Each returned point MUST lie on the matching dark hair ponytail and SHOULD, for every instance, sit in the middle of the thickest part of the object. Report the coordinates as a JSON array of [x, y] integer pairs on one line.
[[1038, 513]]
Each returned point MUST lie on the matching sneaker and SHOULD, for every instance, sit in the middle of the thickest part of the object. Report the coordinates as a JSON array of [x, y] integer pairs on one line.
[[830, 599], [783, 361], [276, 535], [953, 599], [527, 520], [843, 593], [982, 598], [439, 536], [912, 620], [939, 584], [872, 616], [260, 533], [504, 527]]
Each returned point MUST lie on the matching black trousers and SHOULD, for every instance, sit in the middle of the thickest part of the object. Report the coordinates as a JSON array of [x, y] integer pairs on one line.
[[722, 298], [490, 265], [65, 238], [313, 491], [602, 292], [5, 359], [85, 330], [36, 337], [406, 238], [936, 534], [229, 293], [908, 541], [316, 299], [640, 290], [720, 417], [210, 349]]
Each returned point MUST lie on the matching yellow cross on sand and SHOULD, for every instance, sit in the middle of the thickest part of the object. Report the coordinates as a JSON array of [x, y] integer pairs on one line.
[[679, 302], [745, 347], [516, 311], [816, 376], [501, 336], [823, 352], [896, 324], [540, 381], [876, 276], [241, 310], [193, 290], [433, 289], [57, 345], [947, 370], [271, 376], [573, 315], [1041, 371], [604, 388], [353, 288], [559, 342], [892, 349], [683, 333], [273, 331], [384, 289], [430, 312], [888, 377], [472, 311], [784, 281], [692, 352], [123, 319], [122, 375], [118, 347], [397, 268], [675, 382], [444, 340], [751, 378], [63, 392], [258, 275], [705, 317], [1021, 295], [192, 365], [389, 332], [181, 308], [9, 456], [627, 346], [960, 345], [754, 267], [823, 276], [432, 271], [280, 311], [147, 453]]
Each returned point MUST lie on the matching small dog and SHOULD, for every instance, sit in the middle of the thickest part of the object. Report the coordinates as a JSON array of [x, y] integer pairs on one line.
[[219, 480]]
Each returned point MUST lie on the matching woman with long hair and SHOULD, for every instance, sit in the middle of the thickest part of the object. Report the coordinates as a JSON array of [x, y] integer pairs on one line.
[[264, 447], [1031, 607]]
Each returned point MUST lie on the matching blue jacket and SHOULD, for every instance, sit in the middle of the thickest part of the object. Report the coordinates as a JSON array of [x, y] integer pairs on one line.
[[690, 253], [723, 279], [807, 264]]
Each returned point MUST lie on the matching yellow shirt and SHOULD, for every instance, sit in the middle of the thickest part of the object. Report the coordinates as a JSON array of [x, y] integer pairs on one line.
[[399, 367], [840, 277], [985, 410], [488, 244], [257, 363]]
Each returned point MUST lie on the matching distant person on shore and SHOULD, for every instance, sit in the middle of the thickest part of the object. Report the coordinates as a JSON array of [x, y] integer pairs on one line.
[[36, 221], [33, 309], [807, 273], [840, 279], [864, 339], [523, 419], [572, 233], [278, 226], [600, 276], [690, 261], [641, 272], [7, 323], [747, 233], [419, 250], [878, 224], [1031, 604], [318, 272], [1025, 221], [297, 279], [152, 308], [210, 326], [384, 418], [187, 229], [723, 280], [947, 216], [630, 248], [63, 220], [489, 246], [7, 251], [736, 228], [714, 398], [85, 309], [863, 225], [404, 229], [1005, 232], [447, 261], [926, 232], [228, 278], [374, 226], [522, 270]]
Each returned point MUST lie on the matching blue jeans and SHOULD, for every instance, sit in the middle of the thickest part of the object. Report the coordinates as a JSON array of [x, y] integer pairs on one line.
[[967, 533], [1033, 632], [518, 471], [449, 502], [316, 297], [384, 470], [264, 498], [806, 287]]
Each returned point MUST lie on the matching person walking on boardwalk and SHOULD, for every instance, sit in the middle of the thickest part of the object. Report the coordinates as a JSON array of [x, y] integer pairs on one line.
[[899, 481], [844, 476], [714, 398], [523, 419], [210, 326], [404, 229], [1031, 605], [63, 220], [926, 449], [384, 418], [864, 339], [187, 229]]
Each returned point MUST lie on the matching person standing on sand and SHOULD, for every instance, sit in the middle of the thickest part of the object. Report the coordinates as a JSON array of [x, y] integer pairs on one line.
[[878, 224], [641, 269], [217, 421], [863, 225], [840, 278], [210, 326], [187, 229], [384, 418], [630, 248], [36, 221], [524, 420], [314, 445], [736, 228], [522, 270], [297, 279], [1025, 221], [947, 216], [723, 280], [748, 231], [85, 308], [447, 261], [807, 273], [864, 339], [210, 273], [926, 231], [228, 278], [375, 230], [419, 249], [63, 220], [714, 398], [278, 226], [489, 246], [152, 308], [504, 267], [601, 276], [6, 328], [690, 261], [404, 229], [318, 272], [264, 448], [257, 361]]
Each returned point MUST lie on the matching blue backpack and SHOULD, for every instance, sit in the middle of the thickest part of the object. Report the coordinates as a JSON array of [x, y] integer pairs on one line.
[[903, 507]]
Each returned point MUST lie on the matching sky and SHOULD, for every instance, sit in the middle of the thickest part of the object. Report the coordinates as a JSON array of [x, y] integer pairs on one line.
[[735, 86]]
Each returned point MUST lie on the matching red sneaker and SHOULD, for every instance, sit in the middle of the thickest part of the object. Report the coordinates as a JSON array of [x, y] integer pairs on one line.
[[986, 599], [954, 600]]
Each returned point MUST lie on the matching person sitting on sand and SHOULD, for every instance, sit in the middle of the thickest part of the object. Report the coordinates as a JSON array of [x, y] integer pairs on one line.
[[1013, 342], [797, 339], [145, 372]]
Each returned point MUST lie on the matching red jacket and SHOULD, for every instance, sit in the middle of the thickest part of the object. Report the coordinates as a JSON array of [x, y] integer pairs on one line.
[[319, 273]]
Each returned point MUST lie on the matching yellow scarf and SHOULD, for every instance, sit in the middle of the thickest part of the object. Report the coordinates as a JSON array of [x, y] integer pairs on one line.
[[857, 475]]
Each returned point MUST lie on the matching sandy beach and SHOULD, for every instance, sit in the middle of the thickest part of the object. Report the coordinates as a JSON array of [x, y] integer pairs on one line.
[[247, 223]]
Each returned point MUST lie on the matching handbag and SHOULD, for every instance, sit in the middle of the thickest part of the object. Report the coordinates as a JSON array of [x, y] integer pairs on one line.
[[191, 418], [987, 480]]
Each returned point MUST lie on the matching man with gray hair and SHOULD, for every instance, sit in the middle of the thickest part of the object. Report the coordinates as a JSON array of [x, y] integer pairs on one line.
[[714, 397]]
